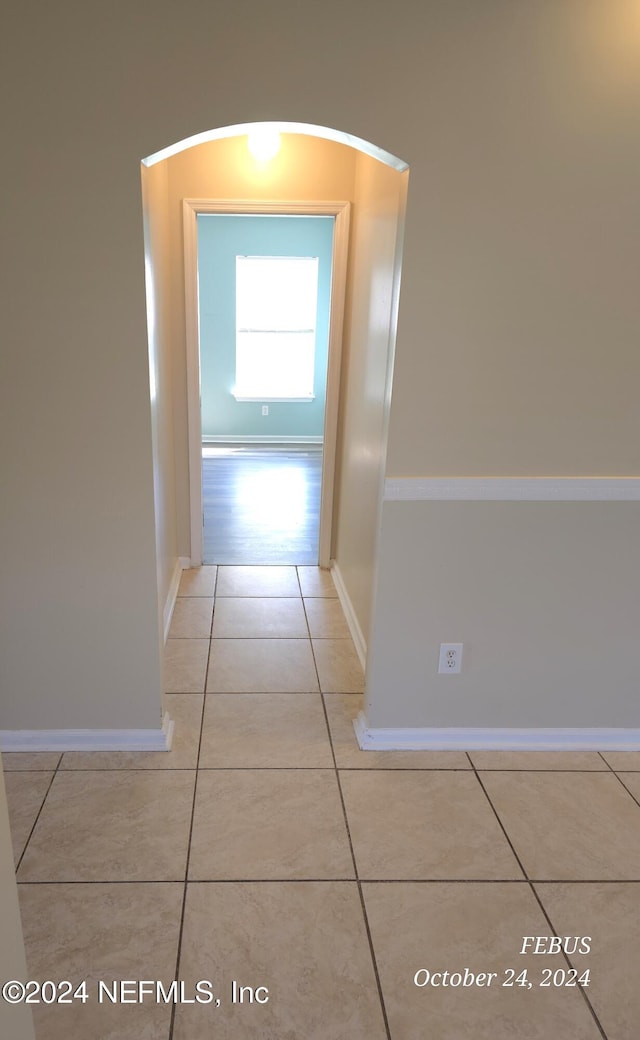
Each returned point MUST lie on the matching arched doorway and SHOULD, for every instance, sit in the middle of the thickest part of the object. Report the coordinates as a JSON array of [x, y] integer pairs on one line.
[[317, 167]]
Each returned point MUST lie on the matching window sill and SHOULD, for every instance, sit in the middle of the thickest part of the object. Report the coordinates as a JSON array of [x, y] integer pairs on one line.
[[269, 400]]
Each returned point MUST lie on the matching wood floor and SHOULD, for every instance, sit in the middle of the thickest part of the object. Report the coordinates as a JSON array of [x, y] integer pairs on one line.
[[261, 506]]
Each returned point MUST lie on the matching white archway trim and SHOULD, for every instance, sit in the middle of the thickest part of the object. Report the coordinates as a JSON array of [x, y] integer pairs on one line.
[[243, 129]]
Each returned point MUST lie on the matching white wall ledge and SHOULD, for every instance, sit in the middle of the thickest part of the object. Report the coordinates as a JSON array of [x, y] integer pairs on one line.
[[512, 489]]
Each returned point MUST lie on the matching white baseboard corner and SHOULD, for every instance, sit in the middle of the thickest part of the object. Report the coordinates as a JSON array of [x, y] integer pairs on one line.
[[182, 564], [350, 615], [481, 739], [89, 739]]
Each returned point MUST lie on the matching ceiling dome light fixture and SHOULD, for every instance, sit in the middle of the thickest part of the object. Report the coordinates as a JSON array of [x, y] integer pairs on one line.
[[263, 143]]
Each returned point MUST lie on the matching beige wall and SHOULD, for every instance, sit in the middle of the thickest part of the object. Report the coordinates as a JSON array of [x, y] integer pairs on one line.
[[544, 604], [158, 285], [367, 370], [516, 350], [79, 643], [15, 1021]]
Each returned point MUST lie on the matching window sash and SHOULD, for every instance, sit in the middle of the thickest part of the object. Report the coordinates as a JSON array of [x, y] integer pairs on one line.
[[276, 292], [275, 364]]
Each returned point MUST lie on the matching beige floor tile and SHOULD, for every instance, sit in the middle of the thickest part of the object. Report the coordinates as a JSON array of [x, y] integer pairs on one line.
[[338, 666], [616, 759], [261, 666], [305, 942], [342, 708], [538, 760], [108, 933], [610, 915], [198, 581], [410, 825], [185, 665], [112, 826], [261, 730], [30, 760], [186, 712], [271, 823], [257, 581], [449, 927], [253, 618], [191, 618], [569, 826], [316, 582], [326, 619], [25, 795]]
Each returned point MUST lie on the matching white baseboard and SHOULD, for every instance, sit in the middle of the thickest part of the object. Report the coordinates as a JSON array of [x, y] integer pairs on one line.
[[182, 563], [89, 739], [350, 615], [480, 739], [219, 438]]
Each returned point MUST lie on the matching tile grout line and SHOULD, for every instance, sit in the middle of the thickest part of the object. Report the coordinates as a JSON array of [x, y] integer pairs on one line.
[[343, 769], [349, 880], [357, 878], [500, 823], [365, 918], [299, 585], [345, 639], [568, 961], [193, 812], [46, 795], [630, 793], [533, 891]]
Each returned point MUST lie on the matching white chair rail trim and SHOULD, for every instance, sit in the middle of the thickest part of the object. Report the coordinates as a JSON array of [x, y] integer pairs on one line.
[[512, 489]]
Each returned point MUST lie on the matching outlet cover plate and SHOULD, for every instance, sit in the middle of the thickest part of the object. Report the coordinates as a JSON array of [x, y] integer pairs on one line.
[[450, 660]]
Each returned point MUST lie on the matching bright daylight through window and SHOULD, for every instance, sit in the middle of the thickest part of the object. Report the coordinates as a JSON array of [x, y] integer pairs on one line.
[[276, 306]]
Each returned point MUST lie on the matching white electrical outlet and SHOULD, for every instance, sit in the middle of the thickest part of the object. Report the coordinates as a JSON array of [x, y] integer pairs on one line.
[[265, 409], [450, 660]]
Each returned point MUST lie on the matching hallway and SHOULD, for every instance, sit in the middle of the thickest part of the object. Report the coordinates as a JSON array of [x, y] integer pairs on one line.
[[268, 849]]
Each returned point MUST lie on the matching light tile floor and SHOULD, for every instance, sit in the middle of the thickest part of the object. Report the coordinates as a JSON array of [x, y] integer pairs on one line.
[[266, 848]]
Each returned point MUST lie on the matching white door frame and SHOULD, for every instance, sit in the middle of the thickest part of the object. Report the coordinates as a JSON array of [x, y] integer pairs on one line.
[[341, 211]]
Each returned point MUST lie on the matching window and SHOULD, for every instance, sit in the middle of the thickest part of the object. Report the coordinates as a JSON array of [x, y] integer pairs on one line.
[[276, 306]]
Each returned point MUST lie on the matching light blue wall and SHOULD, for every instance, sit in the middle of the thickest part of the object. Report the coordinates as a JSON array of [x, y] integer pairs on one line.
[[221, 238]]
